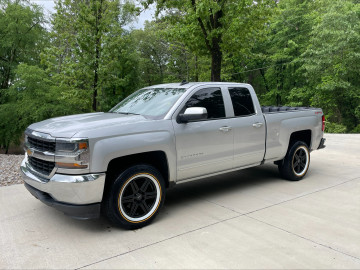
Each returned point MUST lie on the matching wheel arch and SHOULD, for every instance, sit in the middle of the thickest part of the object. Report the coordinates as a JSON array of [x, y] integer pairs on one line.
[[300, 135], [157, 159]]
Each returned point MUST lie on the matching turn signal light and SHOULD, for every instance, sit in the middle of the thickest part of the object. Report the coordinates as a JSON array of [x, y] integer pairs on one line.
[[70, 165], [83, 145]]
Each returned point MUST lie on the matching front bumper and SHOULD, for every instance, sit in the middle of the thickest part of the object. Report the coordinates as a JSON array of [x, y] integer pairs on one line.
[[64, 191], [86, 211]]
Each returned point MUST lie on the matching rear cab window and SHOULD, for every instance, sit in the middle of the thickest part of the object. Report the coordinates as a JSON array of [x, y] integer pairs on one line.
[[242, 101]]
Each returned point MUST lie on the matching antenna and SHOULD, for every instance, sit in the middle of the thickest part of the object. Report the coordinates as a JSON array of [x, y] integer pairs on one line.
[[183, 82]]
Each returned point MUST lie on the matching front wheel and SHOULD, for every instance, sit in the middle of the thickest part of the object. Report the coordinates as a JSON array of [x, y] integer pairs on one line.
[[296, 162], [135, 197]]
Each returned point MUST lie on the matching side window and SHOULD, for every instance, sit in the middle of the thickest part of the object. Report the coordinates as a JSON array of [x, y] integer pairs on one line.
[[242, 101], [211, 99]]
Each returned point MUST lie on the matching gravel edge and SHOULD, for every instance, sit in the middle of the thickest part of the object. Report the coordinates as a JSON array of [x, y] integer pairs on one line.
[[10, 170]]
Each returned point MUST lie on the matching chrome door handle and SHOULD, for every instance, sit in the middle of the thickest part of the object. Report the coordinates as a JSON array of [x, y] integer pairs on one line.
[[257, 125], [225, 129]]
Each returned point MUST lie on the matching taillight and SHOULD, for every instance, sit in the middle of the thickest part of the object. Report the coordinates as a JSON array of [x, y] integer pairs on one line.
[[323, 123]]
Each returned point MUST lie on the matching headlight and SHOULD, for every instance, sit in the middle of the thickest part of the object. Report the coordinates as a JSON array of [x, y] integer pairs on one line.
[[72, 154], [71, 146]]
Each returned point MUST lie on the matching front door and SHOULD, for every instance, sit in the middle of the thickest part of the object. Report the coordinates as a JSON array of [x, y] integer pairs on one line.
[[205, 146]]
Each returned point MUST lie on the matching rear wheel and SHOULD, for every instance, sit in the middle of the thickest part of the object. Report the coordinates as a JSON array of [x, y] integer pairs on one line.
[[135, 197], [296, 162]]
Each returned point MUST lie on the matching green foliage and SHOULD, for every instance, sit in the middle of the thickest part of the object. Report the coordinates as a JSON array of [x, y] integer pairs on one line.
[[334, 128], [312, 59], [21, 37], [215, 28], [33, 97], [90, 50], [294, 52], [356, 130], [163, 58], [331, 62], [153, 50]]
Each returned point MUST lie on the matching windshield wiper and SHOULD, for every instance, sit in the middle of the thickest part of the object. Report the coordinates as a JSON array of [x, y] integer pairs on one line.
[[127, 113]]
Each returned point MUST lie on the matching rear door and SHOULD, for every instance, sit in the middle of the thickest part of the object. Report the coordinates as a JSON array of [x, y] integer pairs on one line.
[[249, 127], [205, 146]]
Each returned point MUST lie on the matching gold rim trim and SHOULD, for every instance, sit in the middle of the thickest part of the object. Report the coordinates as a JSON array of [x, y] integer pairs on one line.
[[127, 181], [308, 157]]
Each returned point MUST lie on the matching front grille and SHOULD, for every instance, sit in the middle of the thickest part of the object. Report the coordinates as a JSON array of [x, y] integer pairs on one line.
[[42, 166], [41, 145]]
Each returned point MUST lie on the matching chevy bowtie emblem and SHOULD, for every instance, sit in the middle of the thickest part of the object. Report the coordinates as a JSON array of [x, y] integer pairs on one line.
[[29, 152]]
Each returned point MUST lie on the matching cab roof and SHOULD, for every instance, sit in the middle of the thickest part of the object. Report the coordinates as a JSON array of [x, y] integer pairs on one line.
[[187, 85]]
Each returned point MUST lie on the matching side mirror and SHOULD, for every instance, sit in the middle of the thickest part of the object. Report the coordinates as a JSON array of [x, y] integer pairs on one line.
[[193, 114]]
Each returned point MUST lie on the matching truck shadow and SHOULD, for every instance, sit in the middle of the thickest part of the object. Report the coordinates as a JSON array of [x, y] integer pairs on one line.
[[207, 188], [186, 193]]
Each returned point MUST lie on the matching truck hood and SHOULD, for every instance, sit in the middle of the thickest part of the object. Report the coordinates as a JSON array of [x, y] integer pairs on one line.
[[68, 126]]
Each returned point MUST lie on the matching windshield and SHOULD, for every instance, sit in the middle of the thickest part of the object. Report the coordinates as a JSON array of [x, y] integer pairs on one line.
[[153, 102]]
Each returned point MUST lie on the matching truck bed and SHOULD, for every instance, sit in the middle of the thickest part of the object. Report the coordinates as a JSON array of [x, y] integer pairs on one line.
[[282, 121], [272, 109]]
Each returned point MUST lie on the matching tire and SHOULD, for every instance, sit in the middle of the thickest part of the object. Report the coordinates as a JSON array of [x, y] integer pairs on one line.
[[296, 162], [135, 197]]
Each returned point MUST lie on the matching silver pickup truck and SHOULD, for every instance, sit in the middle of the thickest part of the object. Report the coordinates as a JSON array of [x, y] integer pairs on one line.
[[121, 162]]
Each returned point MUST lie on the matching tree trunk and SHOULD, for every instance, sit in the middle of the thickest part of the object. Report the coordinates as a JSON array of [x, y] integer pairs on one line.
[[213, 24], [7, 73], [262, 72], [96, 78], [216, 59], [250, 77], [278, 100], [186, 66], [216, 53], [7, 148], [97, 57], [5, 83], [196, 69]]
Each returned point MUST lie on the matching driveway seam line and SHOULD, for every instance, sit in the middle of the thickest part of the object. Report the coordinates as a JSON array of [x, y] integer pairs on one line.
[[302, 237], [301, 196], [218, 222], [288, 200], [158, 242]]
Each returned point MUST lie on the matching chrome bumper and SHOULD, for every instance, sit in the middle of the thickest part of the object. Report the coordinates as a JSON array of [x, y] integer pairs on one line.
[[70, 189]]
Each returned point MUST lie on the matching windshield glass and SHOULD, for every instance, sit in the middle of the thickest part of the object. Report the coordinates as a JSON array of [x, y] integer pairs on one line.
[[153, 102]]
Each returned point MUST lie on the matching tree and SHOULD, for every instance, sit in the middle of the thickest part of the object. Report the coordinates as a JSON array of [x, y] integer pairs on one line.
[[33, 97], [331, 62], [312, 57], [21, 37], [153, 49], [210, 27], [84, 36], [288, 38], [161, 57]]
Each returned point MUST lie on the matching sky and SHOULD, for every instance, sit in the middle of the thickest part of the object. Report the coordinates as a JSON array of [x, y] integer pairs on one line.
[[146, 15]]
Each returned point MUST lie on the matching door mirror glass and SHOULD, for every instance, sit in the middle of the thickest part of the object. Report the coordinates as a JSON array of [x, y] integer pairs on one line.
[[193, 114]]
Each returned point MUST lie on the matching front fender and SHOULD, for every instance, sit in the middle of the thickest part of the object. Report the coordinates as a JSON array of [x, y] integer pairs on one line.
[[107, 149]]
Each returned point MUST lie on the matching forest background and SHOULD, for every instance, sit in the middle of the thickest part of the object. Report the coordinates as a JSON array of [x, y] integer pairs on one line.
[[85, 58]]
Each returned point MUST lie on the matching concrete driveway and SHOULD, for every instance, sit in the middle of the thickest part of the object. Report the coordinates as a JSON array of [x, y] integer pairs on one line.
[[247, 219]]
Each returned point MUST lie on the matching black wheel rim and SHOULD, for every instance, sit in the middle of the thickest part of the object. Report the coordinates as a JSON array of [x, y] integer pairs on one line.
[[138, 197], [299, 161]]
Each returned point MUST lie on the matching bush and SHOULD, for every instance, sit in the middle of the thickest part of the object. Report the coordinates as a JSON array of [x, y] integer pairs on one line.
[[356, 129], [334, 128]]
